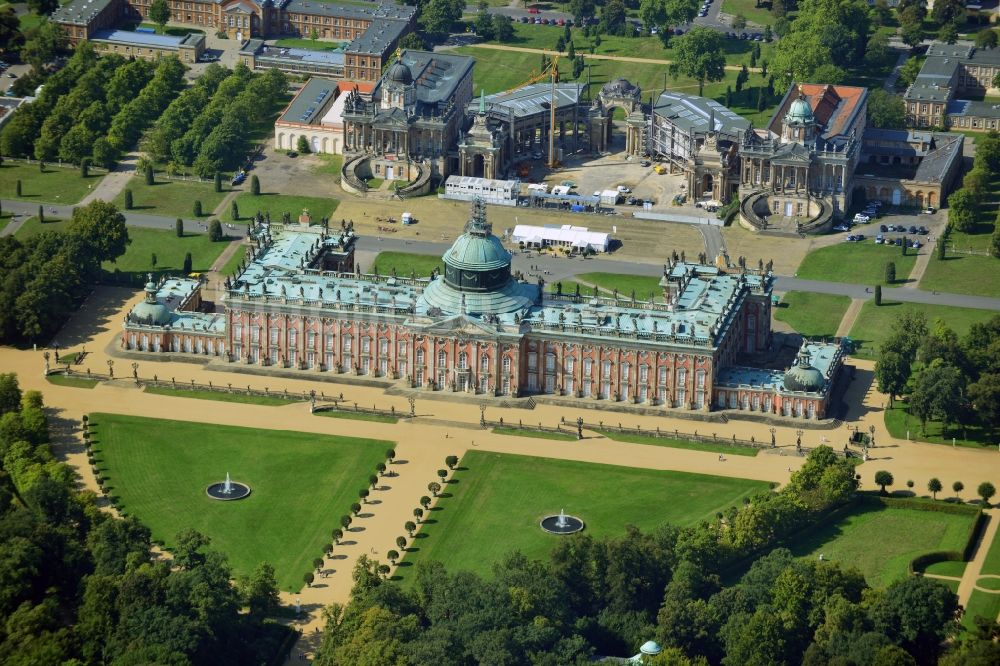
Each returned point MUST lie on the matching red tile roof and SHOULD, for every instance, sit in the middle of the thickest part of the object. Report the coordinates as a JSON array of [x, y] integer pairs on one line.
[[833, 106]]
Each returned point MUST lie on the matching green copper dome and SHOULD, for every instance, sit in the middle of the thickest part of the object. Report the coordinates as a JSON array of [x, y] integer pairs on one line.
[[803, 377], [477, 277], [472, 252], [150, 311], [799, 112]]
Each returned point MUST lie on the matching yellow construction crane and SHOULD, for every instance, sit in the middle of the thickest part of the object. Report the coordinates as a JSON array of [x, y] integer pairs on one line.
[[552, 73]]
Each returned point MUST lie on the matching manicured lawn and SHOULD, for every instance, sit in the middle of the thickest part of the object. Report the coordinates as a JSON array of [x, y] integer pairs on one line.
[[497, 501], [301, 482], [358, 416], [681, 443], [874, 322], [221, 396], [281, 203], [761, 15], [407, 263], [992, 563], [988, 583], [310, 44], [176, 31], [857, 263], [172, 198], [899, 422], [329, 164], [538, 434], [375, 183], [880, 541], [502, 70], [170, 251], [569, 287], [71, 380], [533, 36], [32, 227], [4, 220], [962, 274], [625, 284], [230, 266], [982, 604], [812, 315], [59, 185], [947, 569]]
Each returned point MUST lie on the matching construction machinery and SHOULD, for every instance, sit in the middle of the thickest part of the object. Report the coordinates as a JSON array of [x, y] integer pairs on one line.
[[551, 73]]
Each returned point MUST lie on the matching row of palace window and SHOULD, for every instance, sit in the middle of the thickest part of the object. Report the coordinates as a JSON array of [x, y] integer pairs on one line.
[[758, 403], [325, 20]]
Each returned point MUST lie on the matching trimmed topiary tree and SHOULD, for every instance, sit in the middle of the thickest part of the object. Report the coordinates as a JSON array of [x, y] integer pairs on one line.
[[179, 227], [308, 579], [187, 263], [883, 479], [128, 199], [234, 211], [254, 185], [148, 173], [218, 181], [215, 231], [197, 208], [878, 294]]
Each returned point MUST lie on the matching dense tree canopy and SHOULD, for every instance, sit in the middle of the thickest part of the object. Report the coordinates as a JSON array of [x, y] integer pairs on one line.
[[78, 586], [699, 55]]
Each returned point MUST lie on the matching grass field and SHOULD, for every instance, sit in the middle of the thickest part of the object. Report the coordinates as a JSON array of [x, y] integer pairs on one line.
[[982, 604], [58, 185], [503, 70], [992, 563], [748, 8], [309, 44], [497, 501], [329, 164], [625, 284], [538, 434], [874, 322], [230, 266], [947, 568], [71, 380], [169, 249], [721, 447], [32, 227], [856, 263], [221, 396], [988, 583], [358, 416], [881, 541], [529, 35], [962, 274], [812, 315], [277, 204], [899, 422], [172, 198], [301, 483], [406, 263]]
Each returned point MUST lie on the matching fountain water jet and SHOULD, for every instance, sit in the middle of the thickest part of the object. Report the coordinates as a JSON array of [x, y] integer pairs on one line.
[[228, 490], [561, 524]]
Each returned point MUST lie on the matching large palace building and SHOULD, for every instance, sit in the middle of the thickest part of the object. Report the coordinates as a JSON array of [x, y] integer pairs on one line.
[[370, 30], [297, 304]]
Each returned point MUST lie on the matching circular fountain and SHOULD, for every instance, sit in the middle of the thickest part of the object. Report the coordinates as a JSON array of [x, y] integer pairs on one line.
[[561, 524], [228, 490]]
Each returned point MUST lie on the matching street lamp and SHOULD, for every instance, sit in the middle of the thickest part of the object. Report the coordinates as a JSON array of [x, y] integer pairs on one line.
[[413, 408], [798, 441], [871, 433], [482, 415], [135, 372], [312, 401], [111, 368], [772, 430], [45, 355], [579, 427]]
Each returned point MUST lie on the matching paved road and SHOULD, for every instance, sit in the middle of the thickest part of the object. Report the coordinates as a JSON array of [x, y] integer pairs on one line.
[[555, 268]]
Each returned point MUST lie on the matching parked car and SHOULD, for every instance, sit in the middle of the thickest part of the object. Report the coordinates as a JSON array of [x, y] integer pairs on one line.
[[624, 190], [861, 218], [879, 239], [292, 153], [923, 231], [561, 22], [533, 10], [850, 239], [913, 229], [898, 242], [645, 163], [915, 244], [930, 210], [859, 237], [883, 228], [524, 19]]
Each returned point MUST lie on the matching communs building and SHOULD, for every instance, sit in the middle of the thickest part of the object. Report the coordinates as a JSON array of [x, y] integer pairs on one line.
[[316, 113], [296, 305], [131, 44]]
